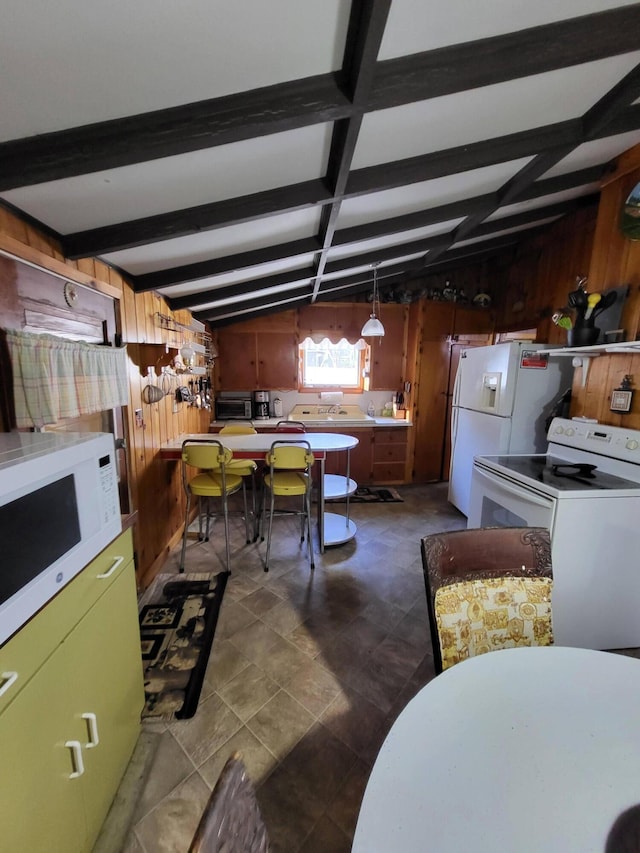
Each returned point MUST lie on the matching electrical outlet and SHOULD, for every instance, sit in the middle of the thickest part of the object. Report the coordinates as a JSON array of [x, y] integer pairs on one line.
[[139, 419]]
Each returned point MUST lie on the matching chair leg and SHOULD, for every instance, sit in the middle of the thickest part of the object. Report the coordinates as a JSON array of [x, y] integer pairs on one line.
[[302, 519], [184, 534], [246, 511], [253, 506], [271, 508], [309, 536], [225, 510]]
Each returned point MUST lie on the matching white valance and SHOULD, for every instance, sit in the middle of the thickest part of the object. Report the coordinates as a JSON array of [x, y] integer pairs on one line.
[[56, 378]]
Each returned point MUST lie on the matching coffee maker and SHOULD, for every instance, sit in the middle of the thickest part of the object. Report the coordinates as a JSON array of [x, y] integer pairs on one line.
[[261, 405]]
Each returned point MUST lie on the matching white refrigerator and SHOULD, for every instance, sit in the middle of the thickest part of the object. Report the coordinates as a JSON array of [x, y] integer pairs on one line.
[[502, 397]]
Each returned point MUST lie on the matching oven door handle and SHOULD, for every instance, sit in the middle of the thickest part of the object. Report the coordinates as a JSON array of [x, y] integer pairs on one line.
[[513, 489]]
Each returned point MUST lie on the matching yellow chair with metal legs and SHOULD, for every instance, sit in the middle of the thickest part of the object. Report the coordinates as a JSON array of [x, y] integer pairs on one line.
[[213, 481], [244, 468], [289, 475]]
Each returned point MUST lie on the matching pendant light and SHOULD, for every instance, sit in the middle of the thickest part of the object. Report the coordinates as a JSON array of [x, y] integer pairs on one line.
[[373, 328]]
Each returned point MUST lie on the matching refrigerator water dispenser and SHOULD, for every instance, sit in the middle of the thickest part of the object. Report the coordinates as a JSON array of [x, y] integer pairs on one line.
[[490, 390]]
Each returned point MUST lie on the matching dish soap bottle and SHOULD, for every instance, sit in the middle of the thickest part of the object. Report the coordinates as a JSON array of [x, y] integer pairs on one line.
[[371, 409]]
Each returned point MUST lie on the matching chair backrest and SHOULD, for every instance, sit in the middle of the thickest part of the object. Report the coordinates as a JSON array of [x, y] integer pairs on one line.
[[461, 555], [486, 614], [290, 455], [290, 426], [238, 429], [206, 453], [231, 821]]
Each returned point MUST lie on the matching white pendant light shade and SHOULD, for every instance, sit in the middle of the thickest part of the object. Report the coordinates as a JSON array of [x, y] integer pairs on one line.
[[373, 328], [186, 353]]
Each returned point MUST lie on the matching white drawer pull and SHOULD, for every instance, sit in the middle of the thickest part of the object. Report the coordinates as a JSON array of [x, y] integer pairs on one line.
[[8, 678], [92, 725], [117, 561], [76, 756]]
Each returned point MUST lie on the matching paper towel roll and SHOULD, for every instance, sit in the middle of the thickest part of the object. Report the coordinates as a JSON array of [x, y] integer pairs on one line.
[[331, 396]]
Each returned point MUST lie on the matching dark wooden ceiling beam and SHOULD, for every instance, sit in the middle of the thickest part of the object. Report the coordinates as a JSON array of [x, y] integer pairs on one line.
[[176, 130], [366, 28], [438, 242], [202, 297], [485, 62], [193, 220], [291, 105], [165, 226], [254, 307], [226, 264], [399, 224], [595, 123]]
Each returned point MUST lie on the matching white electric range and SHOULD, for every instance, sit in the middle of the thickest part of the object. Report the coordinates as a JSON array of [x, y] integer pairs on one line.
[[586, 491]]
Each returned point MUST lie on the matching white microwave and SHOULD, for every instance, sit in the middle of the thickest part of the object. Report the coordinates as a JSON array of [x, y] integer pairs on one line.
[[59, 507]]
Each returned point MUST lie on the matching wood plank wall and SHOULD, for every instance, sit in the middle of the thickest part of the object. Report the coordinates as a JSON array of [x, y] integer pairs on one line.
[[156, 489], [544, 271], [527, 289]]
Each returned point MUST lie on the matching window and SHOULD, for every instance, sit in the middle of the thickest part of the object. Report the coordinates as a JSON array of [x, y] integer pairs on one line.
[[324, 364]]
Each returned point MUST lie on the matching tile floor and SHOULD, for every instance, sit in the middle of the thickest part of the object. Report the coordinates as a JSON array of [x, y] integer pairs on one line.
[[306, 676]]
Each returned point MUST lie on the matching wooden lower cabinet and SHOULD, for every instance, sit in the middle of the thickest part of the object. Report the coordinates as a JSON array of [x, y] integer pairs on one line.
[[360, 455], [70, 721], [379, 458], [389, 454]]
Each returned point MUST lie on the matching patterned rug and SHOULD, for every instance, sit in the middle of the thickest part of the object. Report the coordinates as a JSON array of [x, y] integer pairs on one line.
[[178, 616], [372, 494]]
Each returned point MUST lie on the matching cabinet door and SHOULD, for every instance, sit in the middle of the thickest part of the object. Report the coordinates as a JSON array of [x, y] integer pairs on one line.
[[237, 363], [104, 661], [389, 455], [388, 353], [277, 361], [360, 458], [41, 806]]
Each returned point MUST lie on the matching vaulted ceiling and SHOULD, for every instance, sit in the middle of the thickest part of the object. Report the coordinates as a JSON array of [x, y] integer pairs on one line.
[[250, 156]]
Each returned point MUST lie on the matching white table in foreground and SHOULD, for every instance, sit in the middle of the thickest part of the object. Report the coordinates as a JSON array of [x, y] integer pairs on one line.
[[333, 529], [528, 750]]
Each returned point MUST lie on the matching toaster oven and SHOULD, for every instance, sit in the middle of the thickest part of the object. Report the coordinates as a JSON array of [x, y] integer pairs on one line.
[[227, 408]]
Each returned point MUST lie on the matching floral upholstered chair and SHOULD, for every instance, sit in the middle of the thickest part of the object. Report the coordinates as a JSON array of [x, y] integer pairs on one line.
[[485, 616], [479, 616]]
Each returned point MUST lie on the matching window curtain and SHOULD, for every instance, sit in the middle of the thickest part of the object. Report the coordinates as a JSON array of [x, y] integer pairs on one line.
[[56, 378]]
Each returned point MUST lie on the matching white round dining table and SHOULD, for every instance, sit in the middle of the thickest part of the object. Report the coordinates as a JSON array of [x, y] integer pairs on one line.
[[528, 750]]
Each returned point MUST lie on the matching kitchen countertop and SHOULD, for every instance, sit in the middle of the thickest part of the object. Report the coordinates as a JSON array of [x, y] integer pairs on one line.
[[377, 422]]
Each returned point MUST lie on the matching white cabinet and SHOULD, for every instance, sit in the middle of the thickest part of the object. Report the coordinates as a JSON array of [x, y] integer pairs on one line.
[[70, 710]]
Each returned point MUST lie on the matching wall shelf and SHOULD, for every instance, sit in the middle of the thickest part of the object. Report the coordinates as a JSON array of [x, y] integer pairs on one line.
[[598, 349], [582, 355]]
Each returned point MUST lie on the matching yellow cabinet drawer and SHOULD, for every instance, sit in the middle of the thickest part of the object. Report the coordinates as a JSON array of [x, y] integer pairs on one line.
[[27, 650]]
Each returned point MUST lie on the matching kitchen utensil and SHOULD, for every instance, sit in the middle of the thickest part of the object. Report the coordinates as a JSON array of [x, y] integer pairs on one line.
[[592, 301], [605, 302]]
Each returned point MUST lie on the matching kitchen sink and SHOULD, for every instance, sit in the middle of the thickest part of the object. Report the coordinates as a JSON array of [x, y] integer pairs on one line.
[[351, 415]]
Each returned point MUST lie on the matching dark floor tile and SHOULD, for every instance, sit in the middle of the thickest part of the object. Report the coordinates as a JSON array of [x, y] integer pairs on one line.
[[353, 719], [319, 763], [261, 601], [280, 724], [314, 686], [288, 812], [345, 807], [326, 837]]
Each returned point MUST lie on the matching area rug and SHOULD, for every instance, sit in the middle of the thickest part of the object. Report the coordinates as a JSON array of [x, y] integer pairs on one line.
[[372, 494], [178, 616]]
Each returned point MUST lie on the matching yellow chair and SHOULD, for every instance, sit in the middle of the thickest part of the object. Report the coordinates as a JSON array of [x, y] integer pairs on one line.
[[244, 468], [213, 481], [289, 475]]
